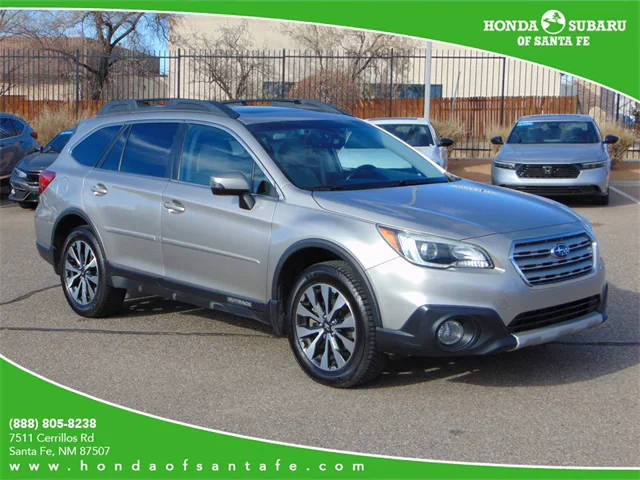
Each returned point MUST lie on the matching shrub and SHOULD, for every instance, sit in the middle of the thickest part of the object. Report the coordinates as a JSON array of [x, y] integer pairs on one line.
[[497, 130], [624, 143], [49, 122], [450, 129]]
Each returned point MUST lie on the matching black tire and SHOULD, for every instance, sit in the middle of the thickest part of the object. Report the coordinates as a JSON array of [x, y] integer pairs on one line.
[[107, 300], [28, 205], [365, 362]]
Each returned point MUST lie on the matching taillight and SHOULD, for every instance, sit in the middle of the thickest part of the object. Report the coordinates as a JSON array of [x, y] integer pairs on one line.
[[46, 178], [34, 135]]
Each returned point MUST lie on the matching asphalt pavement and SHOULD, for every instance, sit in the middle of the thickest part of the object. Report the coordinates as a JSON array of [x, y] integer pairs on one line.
[[572, 402]]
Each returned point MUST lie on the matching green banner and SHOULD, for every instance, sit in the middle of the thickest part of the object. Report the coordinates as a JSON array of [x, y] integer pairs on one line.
[[51, 432], [596, 40]]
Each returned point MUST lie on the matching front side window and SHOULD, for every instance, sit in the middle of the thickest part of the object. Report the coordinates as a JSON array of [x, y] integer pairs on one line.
[[554, 132], [148, 150], [89, 150], [343, 154], [416, 134], [210, 151]]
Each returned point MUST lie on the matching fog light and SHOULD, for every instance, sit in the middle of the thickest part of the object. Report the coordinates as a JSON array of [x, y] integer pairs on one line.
[[450, 332]]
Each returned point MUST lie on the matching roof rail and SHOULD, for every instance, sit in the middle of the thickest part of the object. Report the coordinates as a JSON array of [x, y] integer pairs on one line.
[[145, 104], [306, 104]]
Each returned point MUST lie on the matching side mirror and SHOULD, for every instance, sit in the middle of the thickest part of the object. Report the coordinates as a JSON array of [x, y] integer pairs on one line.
[[609, 139], [497, 140], [235, 184], [446, 142]]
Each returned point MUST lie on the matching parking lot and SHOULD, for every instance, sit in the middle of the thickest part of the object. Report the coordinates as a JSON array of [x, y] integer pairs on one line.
[[572, 402]]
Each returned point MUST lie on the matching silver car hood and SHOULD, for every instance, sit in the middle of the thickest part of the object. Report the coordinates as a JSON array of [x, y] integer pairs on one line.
[[456, 210], [551, 153]]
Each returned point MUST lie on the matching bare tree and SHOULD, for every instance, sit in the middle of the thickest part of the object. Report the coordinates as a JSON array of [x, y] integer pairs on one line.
[[225, 59], [9, 20], [106, 33], [362, 49]]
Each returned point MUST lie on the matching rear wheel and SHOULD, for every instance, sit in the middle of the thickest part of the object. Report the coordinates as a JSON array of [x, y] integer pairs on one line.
[[331, 326], [83, 276]]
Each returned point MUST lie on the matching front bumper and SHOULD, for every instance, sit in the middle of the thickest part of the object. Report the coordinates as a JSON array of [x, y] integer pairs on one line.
[[588, 182], [485, 331], [22, 190]]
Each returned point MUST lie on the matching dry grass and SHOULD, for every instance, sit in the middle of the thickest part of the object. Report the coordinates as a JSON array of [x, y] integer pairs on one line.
[[624, 143], [50, 122], [453, 130], [497, 130]]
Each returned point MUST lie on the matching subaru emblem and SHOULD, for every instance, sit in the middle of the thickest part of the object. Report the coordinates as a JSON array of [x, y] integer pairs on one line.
[[560, 250]]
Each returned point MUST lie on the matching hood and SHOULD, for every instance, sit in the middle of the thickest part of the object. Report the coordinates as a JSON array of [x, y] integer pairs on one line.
[[551, 153], [36, 162], [457, 210]]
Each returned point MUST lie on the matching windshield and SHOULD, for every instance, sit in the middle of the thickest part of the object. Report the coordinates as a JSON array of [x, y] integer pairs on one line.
[[58, 142], [554, 132], [343, 154], [416, 135]]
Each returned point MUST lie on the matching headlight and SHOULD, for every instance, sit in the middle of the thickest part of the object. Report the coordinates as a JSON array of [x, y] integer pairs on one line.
[[20, 173], [507, 165], [435, 252], [591, 165]]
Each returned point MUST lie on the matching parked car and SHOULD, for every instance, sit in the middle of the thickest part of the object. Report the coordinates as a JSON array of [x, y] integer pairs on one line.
[[555, 155], [25, 177], [420, 134], [17, 140], [323, 226]]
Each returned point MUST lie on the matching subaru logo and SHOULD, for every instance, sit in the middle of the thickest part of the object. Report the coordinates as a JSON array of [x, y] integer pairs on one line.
[[560, 250], [547, 169]]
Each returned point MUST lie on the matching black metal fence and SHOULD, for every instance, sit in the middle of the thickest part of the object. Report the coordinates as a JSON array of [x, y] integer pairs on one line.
[[473, 94]]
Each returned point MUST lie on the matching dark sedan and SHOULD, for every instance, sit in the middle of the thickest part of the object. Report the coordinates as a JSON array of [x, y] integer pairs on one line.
[[25, 177]]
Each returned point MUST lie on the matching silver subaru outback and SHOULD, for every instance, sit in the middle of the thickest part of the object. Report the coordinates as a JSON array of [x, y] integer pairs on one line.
[[319, 224]]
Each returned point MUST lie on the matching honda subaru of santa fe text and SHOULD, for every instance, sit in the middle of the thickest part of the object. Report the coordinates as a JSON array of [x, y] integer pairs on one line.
[[420, 134], [555, 155], [327, 228], [25, 177]]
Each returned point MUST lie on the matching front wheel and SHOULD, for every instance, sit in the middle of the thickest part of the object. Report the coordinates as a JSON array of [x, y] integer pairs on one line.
[[332, 327], [84, 278]]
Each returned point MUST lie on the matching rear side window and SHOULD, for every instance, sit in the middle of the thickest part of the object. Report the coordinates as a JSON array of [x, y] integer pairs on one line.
[[112, 159], [148, 150], [89, 150]]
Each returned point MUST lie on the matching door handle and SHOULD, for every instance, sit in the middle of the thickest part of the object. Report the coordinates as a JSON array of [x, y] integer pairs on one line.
[[99, 190], [174, 206]]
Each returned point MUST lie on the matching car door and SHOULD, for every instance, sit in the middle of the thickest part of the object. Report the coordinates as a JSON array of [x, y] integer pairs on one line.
[[9, 146], [209, 241], [123, 194]]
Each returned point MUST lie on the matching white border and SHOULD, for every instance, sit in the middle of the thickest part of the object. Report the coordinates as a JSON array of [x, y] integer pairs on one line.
[[274, 442]]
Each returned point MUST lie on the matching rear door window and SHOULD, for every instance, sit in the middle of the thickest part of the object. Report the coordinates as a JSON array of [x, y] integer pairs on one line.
[[89, 150], [7, 129], [148, 149], [111, 160]]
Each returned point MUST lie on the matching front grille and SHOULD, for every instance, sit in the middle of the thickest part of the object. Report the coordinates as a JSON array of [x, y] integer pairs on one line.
[[548, 171], [540, 266], [551, 315], [552, 190], [33, 177]]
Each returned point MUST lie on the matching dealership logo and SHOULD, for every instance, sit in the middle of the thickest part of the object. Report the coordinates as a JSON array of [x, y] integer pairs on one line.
[[560, 250], [553, 29], [553, 22]]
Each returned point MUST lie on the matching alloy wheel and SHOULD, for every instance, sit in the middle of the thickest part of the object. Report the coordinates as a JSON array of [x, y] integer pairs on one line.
[[81, 272]]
